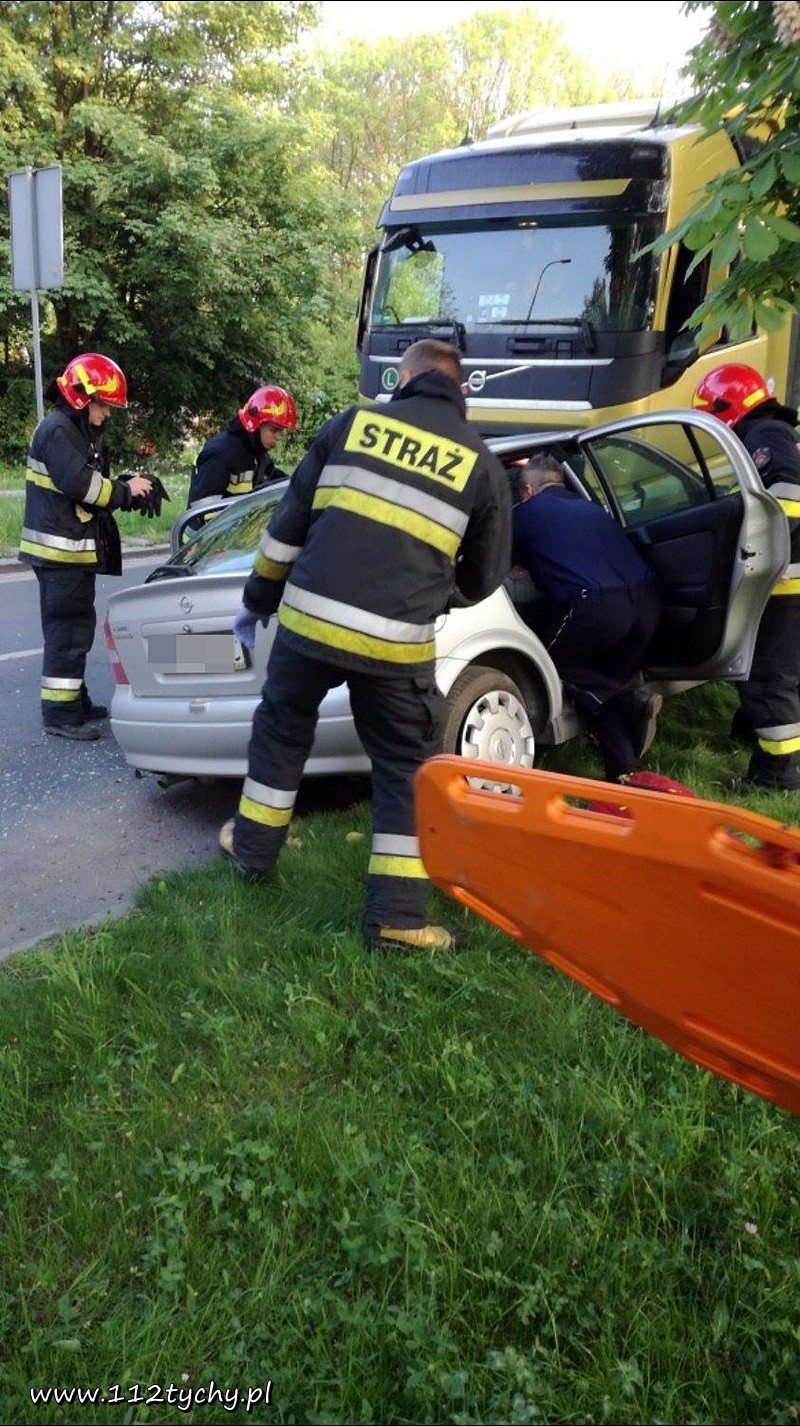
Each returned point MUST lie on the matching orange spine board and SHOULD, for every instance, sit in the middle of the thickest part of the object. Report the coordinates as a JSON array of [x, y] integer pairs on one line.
[[682, 914]]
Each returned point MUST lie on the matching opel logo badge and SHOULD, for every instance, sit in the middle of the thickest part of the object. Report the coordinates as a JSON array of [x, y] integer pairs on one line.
[[186, 604]]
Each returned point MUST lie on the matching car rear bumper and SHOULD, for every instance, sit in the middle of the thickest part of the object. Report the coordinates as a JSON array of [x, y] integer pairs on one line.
[[209, 737]]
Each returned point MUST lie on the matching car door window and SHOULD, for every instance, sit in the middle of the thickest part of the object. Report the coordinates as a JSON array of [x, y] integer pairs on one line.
[[654, 471], [714, 461], [231, 537]]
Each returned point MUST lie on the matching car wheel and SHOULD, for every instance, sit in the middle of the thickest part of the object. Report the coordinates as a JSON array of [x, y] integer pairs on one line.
[[487, 718]]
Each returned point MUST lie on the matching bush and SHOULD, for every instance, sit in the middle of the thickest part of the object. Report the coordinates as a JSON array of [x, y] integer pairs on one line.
[[17, 411]]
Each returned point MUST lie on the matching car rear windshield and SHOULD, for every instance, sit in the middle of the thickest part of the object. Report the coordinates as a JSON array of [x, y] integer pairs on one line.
[[229, 540]]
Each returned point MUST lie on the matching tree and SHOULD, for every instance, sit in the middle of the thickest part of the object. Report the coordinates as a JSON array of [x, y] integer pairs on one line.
[[747, 75], [198, 236], [371, 106], [503, 62]]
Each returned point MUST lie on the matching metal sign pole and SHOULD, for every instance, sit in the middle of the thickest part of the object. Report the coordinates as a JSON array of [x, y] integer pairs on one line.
[[37, 356], [37, 345]]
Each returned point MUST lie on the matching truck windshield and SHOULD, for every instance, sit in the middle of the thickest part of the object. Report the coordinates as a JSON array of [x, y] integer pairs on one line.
[[518, 275]]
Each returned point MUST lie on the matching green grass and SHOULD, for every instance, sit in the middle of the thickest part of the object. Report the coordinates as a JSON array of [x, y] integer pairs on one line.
[[236, 1147], [173, 472]]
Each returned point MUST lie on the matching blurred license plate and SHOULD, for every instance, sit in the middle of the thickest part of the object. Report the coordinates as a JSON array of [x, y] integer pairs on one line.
[[196, 653]]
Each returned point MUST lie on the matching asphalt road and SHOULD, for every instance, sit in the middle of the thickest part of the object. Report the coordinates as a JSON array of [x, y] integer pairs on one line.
[[79, 832]]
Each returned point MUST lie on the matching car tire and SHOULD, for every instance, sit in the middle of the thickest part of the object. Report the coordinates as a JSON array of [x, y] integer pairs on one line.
[[487, 717]]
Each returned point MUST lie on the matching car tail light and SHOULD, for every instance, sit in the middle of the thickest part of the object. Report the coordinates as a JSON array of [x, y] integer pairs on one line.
[[120, 676]]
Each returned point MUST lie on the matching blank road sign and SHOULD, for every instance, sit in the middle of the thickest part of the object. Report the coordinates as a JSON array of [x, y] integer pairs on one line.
[[37, 239]]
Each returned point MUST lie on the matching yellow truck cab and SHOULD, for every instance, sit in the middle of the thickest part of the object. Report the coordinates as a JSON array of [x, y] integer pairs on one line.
[[527, 251]]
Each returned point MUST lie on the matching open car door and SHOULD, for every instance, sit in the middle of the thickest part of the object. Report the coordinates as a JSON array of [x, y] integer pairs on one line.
[[689, 496], [192, 520]]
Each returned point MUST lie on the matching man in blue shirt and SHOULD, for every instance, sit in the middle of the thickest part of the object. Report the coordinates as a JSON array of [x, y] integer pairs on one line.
[[605, 603]]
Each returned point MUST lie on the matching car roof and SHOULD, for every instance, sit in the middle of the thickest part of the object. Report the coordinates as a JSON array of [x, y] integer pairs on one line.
[[509, 445]]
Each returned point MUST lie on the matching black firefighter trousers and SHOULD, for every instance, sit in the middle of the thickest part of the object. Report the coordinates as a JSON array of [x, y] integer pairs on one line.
[[770, 698], [66, 603], [399, 719]]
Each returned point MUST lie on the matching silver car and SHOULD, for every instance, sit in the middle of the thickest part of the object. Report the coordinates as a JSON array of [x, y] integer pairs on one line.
[[681, 485]]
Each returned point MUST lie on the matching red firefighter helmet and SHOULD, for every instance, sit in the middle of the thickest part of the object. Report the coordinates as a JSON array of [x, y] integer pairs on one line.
[[269, 406], [731, 392], [92, 375]]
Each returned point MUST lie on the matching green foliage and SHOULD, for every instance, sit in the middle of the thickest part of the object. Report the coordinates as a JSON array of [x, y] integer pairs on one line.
[[17, 410], [374, 105], [222, 181], [504, 61], [747, 75], [200, 241]]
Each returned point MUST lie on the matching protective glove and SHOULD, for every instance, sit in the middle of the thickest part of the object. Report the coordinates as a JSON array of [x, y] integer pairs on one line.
[[244, 627], [150, 505]]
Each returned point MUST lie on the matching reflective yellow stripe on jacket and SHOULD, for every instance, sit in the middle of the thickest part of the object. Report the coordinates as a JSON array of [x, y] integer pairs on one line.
[[392, 503], [787, 494], [98, 493], [357, 631], [274, 559], [241, 483], [57, 547]]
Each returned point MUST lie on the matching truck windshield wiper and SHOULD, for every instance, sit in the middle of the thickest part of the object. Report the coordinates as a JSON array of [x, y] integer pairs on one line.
[[582, 323], [410, 238], [430, 324]]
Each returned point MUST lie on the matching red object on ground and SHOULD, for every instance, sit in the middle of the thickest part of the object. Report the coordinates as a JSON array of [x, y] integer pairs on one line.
[[655, 781], [682, 914]]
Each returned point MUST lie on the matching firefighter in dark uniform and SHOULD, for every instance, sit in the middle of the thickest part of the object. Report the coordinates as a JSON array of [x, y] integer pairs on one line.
[[396, 510], [238, 460], [604, 609], [769, 712], [69, 534]]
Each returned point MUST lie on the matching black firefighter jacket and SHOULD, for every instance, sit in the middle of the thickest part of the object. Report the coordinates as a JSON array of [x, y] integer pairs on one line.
[[233, 462], [770, 438], [395, 510], [69, 497]]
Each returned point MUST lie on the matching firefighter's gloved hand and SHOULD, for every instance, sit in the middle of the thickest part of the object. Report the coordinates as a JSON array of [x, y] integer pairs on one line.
[[137, 489], [244, 627], [161, 493], [149, 505]]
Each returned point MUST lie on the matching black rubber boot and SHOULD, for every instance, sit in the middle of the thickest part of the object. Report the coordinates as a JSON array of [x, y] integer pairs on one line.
[[773, 774], [252, 875], [642, 712], [92, 712], [78, 732]]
